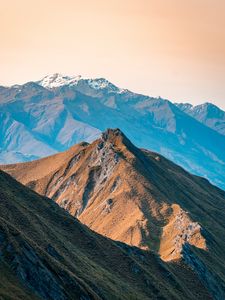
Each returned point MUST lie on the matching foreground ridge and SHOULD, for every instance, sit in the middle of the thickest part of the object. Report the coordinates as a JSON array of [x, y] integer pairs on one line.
[[48, 254], [137, 197]]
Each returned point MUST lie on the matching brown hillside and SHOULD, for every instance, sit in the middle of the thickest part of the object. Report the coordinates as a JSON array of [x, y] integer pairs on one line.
[[47, 254], [137, 197]]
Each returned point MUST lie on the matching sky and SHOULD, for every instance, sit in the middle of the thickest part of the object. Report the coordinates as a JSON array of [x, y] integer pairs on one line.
[[169, 48]]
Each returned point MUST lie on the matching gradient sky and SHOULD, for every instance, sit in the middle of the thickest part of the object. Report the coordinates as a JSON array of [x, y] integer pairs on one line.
[[169, 48]]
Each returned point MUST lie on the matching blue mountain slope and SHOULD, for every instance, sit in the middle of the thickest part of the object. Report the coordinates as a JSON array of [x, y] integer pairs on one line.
[[207, 113], [51, 119]]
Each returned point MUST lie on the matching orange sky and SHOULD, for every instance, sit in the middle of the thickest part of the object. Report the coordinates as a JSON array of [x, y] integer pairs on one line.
[[171, 48]]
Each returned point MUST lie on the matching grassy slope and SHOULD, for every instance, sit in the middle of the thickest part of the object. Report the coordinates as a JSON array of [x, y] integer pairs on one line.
[[82, 262], [152, 187]]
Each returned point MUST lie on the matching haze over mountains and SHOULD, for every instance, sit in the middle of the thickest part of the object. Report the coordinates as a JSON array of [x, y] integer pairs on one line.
[[42, 118], [138, 197]]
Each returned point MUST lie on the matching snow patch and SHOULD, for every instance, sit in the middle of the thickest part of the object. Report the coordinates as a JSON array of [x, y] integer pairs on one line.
[[57, 80]]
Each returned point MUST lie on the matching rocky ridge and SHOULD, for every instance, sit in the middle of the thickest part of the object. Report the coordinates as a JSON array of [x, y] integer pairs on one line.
[[137, 197], [47, 254]]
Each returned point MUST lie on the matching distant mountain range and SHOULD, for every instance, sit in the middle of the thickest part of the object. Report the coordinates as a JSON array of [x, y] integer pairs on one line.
[[207, 113], [45, 117], [132, 196]]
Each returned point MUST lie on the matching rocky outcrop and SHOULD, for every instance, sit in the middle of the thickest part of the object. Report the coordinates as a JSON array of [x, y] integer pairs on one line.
[[180, 231]]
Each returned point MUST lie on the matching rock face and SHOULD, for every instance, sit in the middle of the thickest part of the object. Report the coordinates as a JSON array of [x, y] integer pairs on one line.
[[134, 196], [47, 254], [180, 231], [49, 116]]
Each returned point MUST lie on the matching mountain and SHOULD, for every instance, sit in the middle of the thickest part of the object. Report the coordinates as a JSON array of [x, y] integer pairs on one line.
[[49, 116], [47, 254], [138, 197], [207, 113], [58, 80]]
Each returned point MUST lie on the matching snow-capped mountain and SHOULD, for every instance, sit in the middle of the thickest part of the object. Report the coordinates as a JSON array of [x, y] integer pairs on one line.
[[39, 119], [207, 113], [58, 80]]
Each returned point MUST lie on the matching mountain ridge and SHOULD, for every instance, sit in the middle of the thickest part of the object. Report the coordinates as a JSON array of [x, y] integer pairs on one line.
[[206, 113], [48, 254], [138, 197], [55, 119]]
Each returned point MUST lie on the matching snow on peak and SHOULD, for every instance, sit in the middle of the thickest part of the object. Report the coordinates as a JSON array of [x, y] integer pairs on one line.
[[57, 80], [100, 84]]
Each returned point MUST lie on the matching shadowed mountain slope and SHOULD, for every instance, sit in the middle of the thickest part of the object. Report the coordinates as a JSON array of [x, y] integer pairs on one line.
[[47, 254], [137, 197], [207, 113]]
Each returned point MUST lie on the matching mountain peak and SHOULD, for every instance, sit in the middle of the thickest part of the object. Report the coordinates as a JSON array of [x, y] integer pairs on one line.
[[117, 138], [207, 113], [112, 133], [102, 83], [57, 80], [207, 106], [125, 193]]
